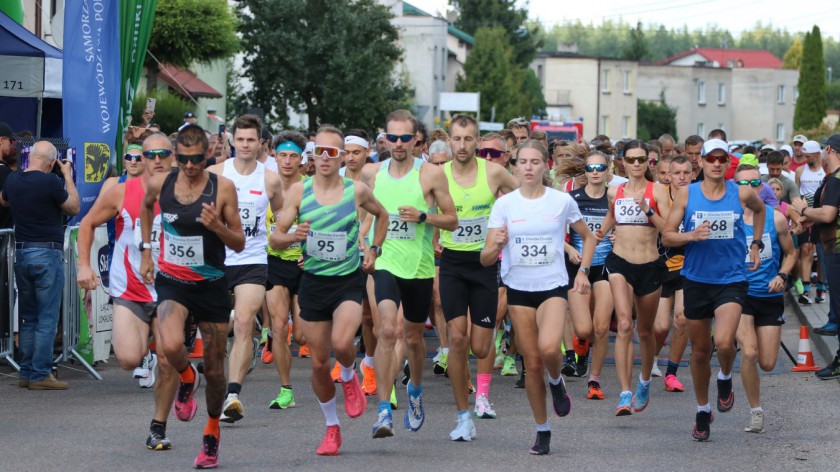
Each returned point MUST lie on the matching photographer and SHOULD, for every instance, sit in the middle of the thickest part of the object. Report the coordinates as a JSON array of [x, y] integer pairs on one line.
[[37, 199]]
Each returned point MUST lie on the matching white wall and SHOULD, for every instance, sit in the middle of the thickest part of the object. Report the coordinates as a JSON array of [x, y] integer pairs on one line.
[[424, 40], [759, 111]]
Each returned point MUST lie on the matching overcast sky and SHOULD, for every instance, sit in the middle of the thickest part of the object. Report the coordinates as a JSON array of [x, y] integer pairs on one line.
[[734, 15]]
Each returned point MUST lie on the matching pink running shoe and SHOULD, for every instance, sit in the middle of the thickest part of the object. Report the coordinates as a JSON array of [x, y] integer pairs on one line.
[[354, 400], [185, 404], [209, 456], [673, 384], [331, 443]]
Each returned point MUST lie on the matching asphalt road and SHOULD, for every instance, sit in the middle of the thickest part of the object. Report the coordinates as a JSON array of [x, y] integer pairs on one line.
[[102, 425]]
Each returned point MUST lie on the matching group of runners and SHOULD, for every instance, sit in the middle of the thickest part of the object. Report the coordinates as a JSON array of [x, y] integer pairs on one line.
[[477, 226]]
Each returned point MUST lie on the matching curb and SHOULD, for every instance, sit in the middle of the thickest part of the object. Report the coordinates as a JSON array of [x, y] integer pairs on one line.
[[826, 351]]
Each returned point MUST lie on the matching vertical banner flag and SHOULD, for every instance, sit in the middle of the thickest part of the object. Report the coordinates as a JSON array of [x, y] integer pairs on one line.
[[91, 91], [136, 18]]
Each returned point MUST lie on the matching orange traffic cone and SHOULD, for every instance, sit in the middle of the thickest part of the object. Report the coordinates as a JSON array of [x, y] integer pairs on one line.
[[198, 348], [805, 359]]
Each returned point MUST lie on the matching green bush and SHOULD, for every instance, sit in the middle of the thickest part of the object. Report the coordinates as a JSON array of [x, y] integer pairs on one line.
[[169, 110]]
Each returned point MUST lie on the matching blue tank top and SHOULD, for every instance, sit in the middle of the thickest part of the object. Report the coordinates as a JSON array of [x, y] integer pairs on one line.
[[719, 259], [593, 210], [760, 278]]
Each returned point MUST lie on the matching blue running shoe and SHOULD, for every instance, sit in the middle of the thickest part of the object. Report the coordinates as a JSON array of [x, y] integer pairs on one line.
[[642, 397], [415, 416], [384, 426], [625, 404]]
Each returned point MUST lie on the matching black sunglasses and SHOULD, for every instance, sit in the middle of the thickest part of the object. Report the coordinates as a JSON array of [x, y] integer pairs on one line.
[[193, 158], [133, 157], [492, 153], [399, 137], [162, 153]]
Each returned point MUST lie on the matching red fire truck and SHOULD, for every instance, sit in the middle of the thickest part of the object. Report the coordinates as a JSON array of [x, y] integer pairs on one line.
[[568, 130]]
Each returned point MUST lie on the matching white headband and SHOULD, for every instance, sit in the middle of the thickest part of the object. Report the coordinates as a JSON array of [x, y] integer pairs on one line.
[[356, 140]]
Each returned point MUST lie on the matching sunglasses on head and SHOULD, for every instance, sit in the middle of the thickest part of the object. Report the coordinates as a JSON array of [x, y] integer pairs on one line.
[[596, 167], [399, 137], [721, 159], [492, 153], [133, 157], [330, 151], [751, 183], [635, 160], [161, 153], [193, 158]]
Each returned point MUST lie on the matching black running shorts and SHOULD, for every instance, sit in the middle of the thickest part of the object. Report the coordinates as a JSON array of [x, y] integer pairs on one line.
[[534, 299], [766, 311], [283, 273], [255, 274], [701, 299], [644, 278], [415, 295], [206, 300], [674, 281], [466, 285], [321, 295]]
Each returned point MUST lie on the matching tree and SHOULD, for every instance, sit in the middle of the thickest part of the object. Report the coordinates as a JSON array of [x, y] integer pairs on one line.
[[492, 71], [188, 31], [793, 56], [636, 49], [833, 95], [811, 104], [524, 38], [334, 60], [655, 118]]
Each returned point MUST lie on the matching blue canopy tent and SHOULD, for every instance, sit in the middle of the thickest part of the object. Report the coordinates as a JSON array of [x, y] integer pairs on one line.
[[30, 81]]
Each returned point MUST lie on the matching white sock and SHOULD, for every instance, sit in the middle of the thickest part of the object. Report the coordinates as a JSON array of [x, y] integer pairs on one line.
[[330, 413], [347, 372], [704, 408], [444, 350], [757, 410], [544, 427], [368, 361], [642, 381], [554, 381], [724, 377]]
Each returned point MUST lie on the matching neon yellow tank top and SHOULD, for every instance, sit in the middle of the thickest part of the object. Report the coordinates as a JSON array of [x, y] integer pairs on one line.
[[472, 205], [291, 253], [407, 251]]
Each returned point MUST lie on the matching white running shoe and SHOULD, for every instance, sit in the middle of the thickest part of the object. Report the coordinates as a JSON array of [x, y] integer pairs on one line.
[[483, 408], [142, 370], [232, 410], [149, 380], [655, 372], [464, 429]]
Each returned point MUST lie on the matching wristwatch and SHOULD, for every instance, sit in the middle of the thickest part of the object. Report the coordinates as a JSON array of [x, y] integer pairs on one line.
[[782, 276], [376, 250], [759, 243], [144, 246], [585, 271], [422, 217], [650, 212]]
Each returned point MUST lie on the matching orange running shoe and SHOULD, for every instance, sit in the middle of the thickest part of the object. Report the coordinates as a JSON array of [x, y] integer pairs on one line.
[[267, 356], [304, 351], [289, 336], [368, 380], [595, 392], [581, 347], [336, 373]]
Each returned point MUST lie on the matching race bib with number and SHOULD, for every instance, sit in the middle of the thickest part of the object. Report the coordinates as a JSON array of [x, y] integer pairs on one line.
[[470, 230], [765, 254], [721, 223], [402, 230], [593, 222], [248, 213], [185, 251], [138, 236], [533, 250], [628, 212], [327, 245], [296, 244]]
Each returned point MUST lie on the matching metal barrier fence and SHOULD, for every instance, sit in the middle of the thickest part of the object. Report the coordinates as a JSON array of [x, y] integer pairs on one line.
[[7, 296], [70, 308]]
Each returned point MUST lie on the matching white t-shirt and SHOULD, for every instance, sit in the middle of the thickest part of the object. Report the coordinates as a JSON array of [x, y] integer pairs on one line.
[[532, 260], [617, 180], [271, 164]]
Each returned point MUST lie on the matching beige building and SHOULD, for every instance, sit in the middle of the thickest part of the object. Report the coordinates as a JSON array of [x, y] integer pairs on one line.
[[600, 92]]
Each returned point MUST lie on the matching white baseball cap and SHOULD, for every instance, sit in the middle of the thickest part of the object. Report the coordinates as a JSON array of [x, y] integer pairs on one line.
[[768, 147], [715, 144], [799, 138], [811, 147], [787, 149]]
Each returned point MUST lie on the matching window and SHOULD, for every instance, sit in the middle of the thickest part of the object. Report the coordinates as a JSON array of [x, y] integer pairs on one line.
[[627, 82], [701, 129], [780, 132], [781, 94], [730, 63], [701, 93], [603, 127], [605, 81], [721, 93], [625, 126], [795, 94], [540, 74]]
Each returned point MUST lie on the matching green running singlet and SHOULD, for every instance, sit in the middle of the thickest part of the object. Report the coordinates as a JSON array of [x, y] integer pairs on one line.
[[332, 245], [472, 205]]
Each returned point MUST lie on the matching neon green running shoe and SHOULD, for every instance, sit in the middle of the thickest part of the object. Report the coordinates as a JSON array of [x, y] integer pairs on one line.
[[394, 397], [285, 399], [800, 289], [509, 367], [264, 336]]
